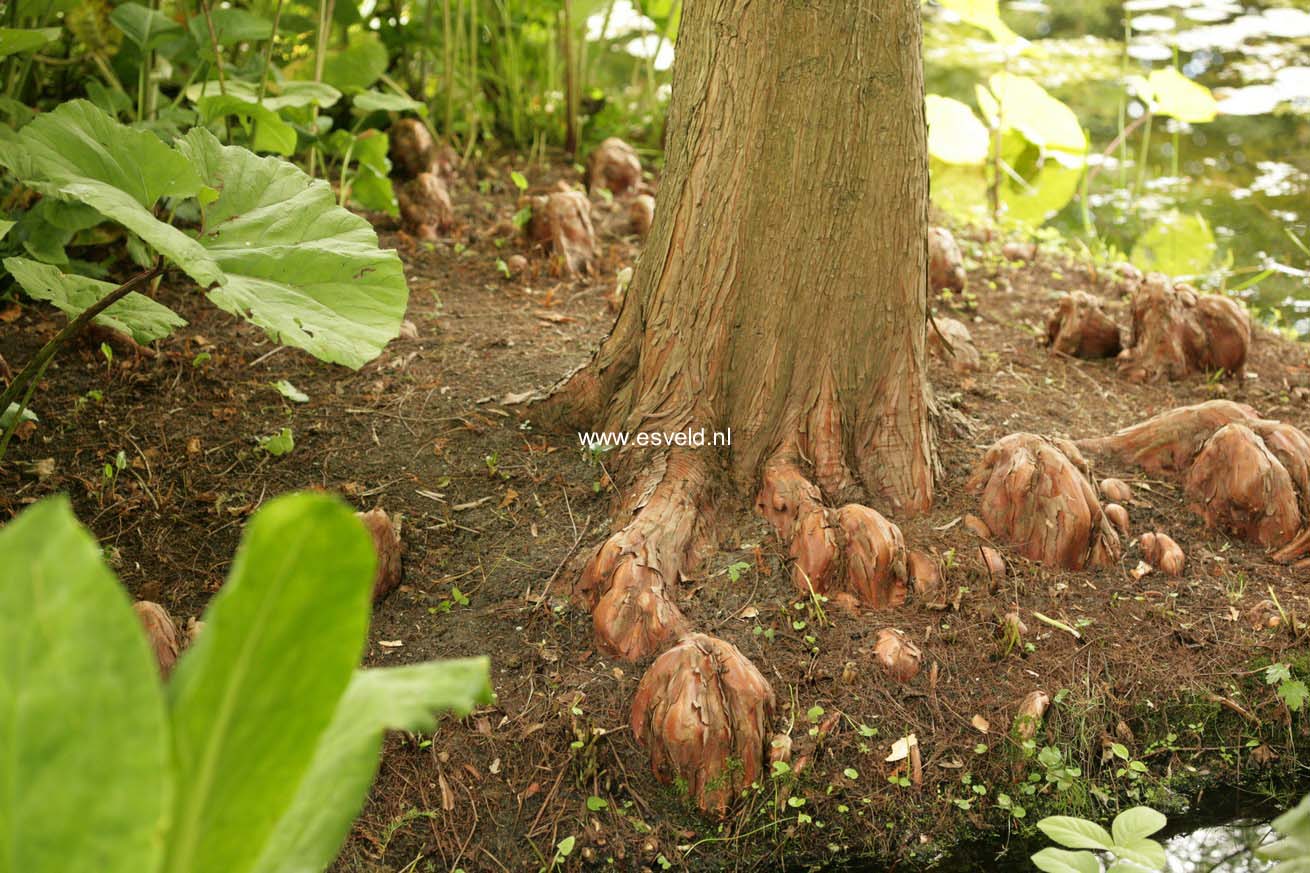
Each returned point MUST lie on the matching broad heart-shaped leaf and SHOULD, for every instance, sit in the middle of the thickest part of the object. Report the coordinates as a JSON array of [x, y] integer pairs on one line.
[[5, 227], [955, 135], [252, 698], [1076, 833], [1063, 861], [14, 40], [270, 134], [77, 152], [1019, 103], [372, 101], [143, 25], [84, 740], [1136, 823], [296, 264], [357, 66], [135, 314], [1145, 853], [309, 835], [1174, 94]]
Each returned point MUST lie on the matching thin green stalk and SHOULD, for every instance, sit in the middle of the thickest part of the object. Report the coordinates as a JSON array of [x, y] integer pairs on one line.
[[213, 46], [448, 50], [1142, 158], [18, 413], [268, 52], [26, 380]]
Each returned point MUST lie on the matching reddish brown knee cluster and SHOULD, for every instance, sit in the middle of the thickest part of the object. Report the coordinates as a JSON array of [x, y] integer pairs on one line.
[[561, 223], [703, 710], [1079, 327], [424, 171], [1245, 475], [945, 263], [1178, 331], [1036, 496]]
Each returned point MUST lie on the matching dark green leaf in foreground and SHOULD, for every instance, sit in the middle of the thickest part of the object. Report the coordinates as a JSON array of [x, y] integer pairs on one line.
[[83, 739]]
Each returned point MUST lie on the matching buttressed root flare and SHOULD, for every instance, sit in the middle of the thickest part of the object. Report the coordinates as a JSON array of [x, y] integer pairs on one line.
[[852, 554]]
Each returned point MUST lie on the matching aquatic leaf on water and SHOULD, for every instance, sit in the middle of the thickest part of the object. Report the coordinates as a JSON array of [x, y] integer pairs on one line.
[[1179, 244], [1173, 94]]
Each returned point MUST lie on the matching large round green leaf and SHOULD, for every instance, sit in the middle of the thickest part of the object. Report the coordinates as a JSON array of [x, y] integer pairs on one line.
[[83, 740], [135, 314], [1179, 244], [295, 262], [1018, 103]]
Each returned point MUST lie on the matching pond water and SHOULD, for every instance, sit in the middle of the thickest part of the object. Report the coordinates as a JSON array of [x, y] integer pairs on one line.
[[1226, 201]]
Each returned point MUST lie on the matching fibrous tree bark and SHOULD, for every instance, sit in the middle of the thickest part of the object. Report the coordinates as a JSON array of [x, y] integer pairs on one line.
[[781, 297]]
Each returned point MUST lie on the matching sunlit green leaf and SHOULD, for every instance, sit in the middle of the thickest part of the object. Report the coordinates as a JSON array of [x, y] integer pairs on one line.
[[1146, 853], [1019, 103], [82, 722], [282, 637], [1179, 244], [986, 15], [1174, 94], [329, 797], [231, 26], [290, 392], [136, 314], [955, 135], [1076, 833], [1136, 823], [280, 95], [1053, 860]]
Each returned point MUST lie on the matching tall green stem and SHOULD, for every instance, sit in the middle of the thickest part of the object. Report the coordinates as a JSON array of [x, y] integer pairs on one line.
[[25, 382]]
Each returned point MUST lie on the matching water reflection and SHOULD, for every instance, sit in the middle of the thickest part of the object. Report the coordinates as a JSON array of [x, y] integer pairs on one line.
[[1223, 849], [1245, 176]]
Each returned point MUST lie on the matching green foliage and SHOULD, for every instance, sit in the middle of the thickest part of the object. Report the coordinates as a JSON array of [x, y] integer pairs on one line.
[[274, 733], [1179, 244], [274, 245], [1292, 692], [137, 315], [1291, 854], [278, 444], [1128, 841]]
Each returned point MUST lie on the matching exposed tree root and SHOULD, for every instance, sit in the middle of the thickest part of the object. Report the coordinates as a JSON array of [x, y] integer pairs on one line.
[[425, 207], [1237, 485], [1163, 553], [629, 582], [1166, 443], [1079, 327], [1242, 474], [162, 633], [614, 166], [704, 711], [641, 214], [1037, 497], [385, 533], [561, 221], [851, 551], [1178, 331], [950, 339], [945, 263]]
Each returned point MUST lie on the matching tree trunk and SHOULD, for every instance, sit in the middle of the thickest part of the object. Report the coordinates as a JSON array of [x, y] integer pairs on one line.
[[782, 294], [782, 291]]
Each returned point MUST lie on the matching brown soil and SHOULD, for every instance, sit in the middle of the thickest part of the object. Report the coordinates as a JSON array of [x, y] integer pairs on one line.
[[508, 515]]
